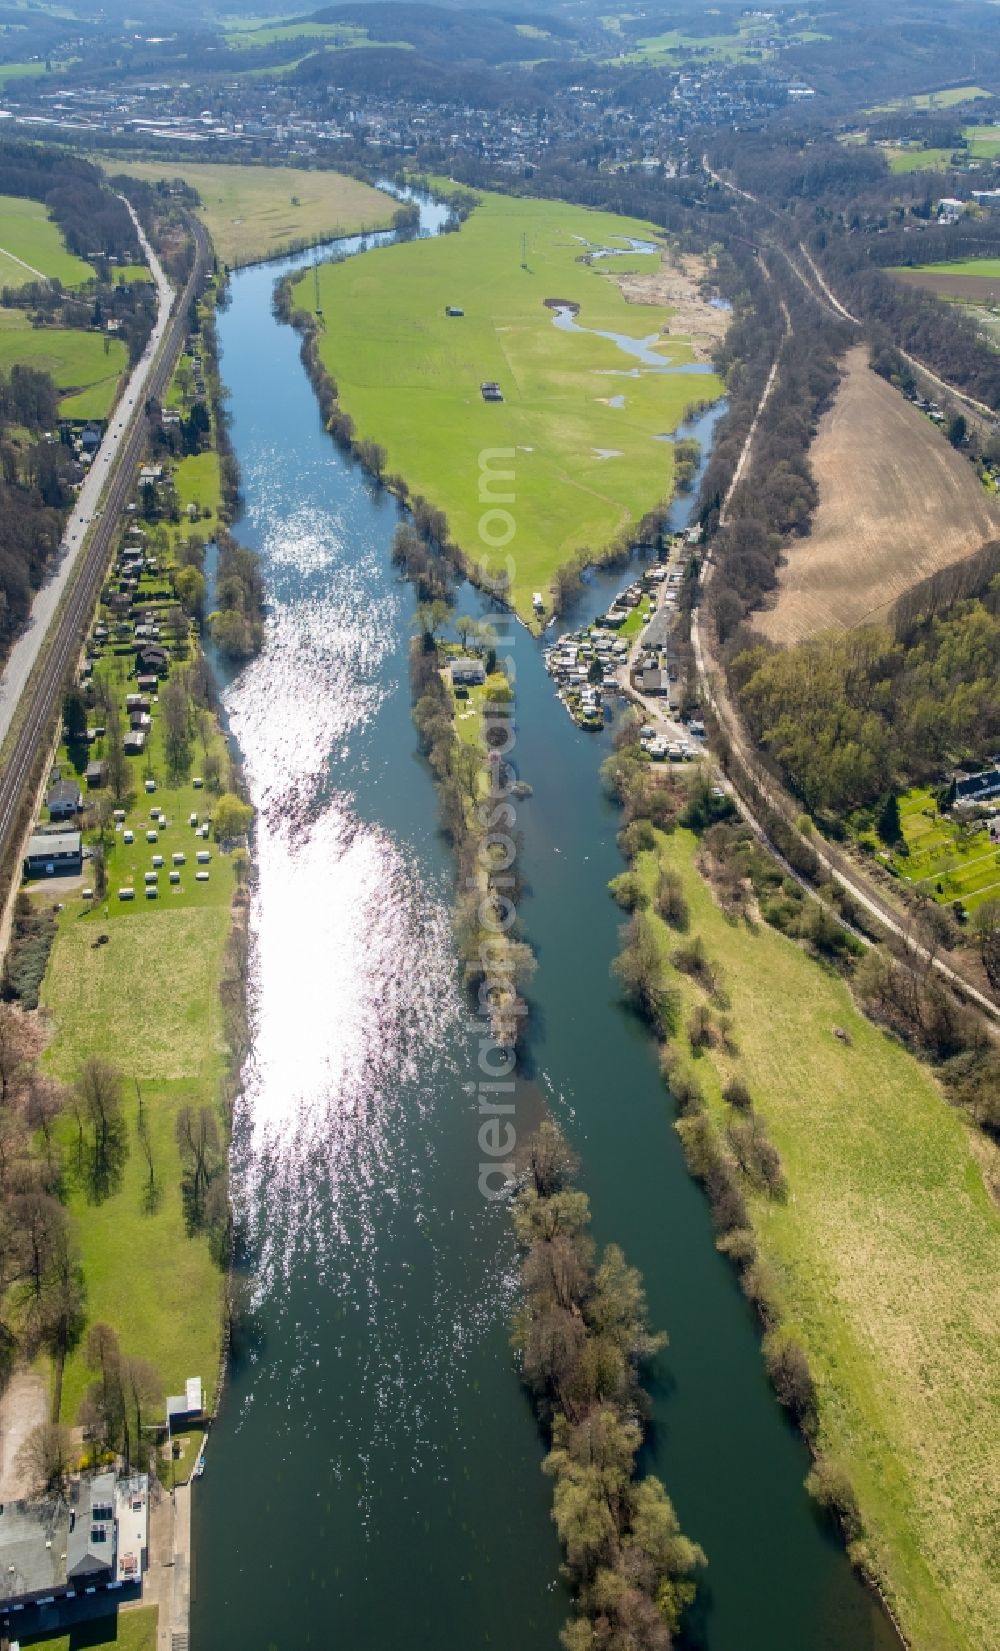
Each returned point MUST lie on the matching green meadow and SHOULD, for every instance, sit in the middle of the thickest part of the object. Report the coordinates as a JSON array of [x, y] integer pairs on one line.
[[883, 1256], [252, 212], [580, 418], [27, 231], [85, 366], [935, 100], [988, 268], [983, 141], [147, 1000], [917, 160]]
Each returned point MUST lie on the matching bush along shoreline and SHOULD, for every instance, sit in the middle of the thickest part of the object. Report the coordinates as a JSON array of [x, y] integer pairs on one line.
[[582, 1339], [580, 1332], [237, 621], [730, 1155]]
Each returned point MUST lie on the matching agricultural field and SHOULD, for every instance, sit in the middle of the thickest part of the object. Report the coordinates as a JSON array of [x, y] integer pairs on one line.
[[949, 858], [896, 503], [583, 417], [884, 1260], [86, 367], [28, 237], [974, 281], [254, 212]]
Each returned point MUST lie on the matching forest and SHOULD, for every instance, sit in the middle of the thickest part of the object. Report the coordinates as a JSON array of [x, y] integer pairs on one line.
[[90, 216], [33, 493], [850, 716]]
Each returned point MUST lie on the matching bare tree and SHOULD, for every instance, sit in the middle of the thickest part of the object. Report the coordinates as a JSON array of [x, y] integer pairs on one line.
[[46, 1457], [98, 1090]]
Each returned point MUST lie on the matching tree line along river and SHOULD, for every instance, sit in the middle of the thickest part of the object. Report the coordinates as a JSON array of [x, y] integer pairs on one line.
[[374, 1476]]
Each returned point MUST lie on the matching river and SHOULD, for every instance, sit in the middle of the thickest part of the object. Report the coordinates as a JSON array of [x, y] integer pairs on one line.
[[373, 1479]]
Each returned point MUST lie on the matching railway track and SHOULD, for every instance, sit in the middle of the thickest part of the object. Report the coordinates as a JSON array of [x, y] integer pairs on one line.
[[70, 624]]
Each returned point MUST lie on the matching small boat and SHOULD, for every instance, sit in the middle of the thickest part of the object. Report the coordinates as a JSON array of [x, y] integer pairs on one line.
[[199, 1467]]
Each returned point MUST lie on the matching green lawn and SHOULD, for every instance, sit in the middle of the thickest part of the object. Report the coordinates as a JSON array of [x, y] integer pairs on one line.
[[252, 212], [917, 160], [85, 366], [886, 1259], [410, 375], [27, 231], [197, 481], [125, 1631]]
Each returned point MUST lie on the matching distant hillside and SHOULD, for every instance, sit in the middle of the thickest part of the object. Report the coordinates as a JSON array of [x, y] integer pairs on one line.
[[395, 69], [444, 35]]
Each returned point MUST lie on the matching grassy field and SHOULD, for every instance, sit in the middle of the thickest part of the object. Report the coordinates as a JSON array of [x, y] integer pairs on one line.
[[885, 1256], [580, 417], [917, 160], [147, 999], [896, 502], [742, 45], [935, 100], [27, 231], [983, 141], [125, 1631], [987, 269], [252, 212], [85, 366]]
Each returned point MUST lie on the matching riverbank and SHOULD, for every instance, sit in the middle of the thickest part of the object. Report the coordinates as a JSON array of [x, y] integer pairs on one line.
[[143, 981], [878, 1258], [413, 340]]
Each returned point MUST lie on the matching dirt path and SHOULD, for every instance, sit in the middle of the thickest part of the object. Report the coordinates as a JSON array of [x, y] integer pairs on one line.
[[23, 1407]]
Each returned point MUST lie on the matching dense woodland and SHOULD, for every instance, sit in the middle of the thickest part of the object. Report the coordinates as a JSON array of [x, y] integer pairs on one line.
[[91, 218], [849, 716], [33, 493]]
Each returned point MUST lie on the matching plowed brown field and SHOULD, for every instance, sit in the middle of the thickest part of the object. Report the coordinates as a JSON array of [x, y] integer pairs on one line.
[[896, 503]]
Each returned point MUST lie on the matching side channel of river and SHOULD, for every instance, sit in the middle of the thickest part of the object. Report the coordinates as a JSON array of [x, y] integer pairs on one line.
[[373, 1480]]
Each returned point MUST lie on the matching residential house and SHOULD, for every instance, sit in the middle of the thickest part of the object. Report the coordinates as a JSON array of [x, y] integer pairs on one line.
[[54, 854], [469, 672], [64, 800]]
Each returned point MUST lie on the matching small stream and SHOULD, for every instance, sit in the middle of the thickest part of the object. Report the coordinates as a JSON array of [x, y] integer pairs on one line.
[[374, 1480]]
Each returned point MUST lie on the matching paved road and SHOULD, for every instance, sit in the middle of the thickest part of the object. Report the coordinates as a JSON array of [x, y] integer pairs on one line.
[[88, 505]]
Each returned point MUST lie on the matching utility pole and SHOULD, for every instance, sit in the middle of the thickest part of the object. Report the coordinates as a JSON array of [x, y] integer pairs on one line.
[[319, 307], [524, 251]]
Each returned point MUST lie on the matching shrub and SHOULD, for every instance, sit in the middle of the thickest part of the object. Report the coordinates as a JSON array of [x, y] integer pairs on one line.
[[829, 1486], [791, 1378], [670, 901], [737, 1095]]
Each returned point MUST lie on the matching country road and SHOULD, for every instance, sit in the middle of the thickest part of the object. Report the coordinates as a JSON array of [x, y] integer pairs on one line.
[[129, 407], [91, 534]]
